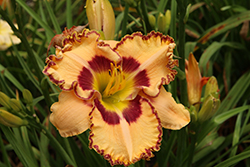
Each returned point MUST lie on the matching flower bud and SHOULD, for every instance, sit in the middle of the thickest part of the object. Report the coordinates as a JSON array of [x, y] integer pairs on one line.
[[15, 105], [11, 120], [161, 22], [211, 86], [168, 19], [151, 19], [27, 96], [101, 17], [193, 113], [209, 107], [4, 100], [131, 3]]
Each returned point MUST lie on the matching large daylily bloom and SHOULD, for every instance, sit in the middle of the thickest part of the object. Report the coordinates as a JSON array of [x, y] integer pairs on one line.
[[115, 89]]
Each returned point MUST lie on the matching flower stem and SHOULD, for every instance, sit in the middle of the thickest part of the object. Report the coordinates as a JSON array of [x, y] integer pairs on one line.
[[183, 83]]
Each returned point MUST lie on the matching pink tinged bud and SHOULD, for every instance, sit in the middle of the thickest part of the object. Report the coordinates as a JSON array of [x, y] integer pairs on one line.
[[194, 79], [101, 17]]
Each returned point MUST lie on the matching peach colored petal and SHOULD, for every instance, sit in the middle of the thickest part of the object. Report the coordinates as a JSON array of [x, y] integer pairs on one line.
[[128, 139], [172, 115], [154, 53], [70, 115]]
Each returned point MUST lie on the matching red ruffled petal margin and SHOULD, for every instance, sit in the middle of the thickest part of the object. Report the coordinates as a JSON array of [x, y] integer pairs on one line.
[[109, 140]]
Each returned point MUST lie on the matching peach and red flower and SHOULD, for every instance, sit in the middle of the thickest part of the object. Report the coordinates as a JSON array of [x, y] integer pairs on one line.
[[115, 90]]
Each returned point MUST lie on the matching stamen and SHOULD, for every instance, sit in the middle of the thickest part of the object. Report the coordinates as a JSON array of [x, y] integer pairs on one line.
[[117, 80]]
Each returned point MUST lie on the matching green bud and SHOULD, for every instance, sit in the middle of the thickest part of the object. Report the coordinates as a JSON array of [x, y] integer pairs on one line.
[[211, 86], [131, 3], [27, 96], [161, 22], [209, 107], [15, 105], [168, 19], [4, 100], [187, 13], [151, 19], [193, 113], [11, 120]]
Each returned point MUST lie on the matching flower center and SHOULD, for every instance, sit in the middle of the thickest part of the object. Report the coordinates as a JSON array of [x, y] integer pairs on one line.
[[116, 81]]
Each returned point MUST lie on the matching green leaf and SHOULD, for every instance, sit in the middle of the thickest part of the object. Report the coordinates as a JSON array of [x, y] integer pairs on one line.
[[219, 119], [53, 17], [212, 49], [11, 78], [224, 26], [207, 150], [27, 69], [18, 147], [36, 17], [235, 94], [235, 159]]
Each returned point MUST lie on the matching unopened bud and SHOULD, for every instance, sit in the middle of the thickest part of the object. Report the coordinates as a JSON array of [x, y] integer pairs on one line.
[[11, 120], [168, 19], [15, 105], [209, 107], [187, 13], [131, 3], [151, 19], [193, 113], [27, 96], [161, 22], [4, 100], [101, 17], [211, 86]]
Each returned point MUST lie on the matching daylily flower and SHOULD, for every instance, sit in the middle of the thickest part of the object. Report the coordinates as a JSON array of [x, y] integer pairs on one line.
[[115, 89], [194, 81], [6, 36]]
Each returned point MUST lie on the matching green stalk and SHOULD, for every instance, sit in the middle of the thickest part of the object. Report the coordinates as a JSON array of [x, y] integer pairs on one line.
[[192, 145], [69, 14], [181, 146], [145, 15], [173, 34], [182, 135], [142, 19], [182, 5], [125, 19]]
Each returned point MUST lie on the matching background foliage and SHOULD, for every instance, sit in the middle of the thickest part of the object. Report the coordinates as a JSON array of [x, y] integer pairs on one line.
[[217, 32]]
